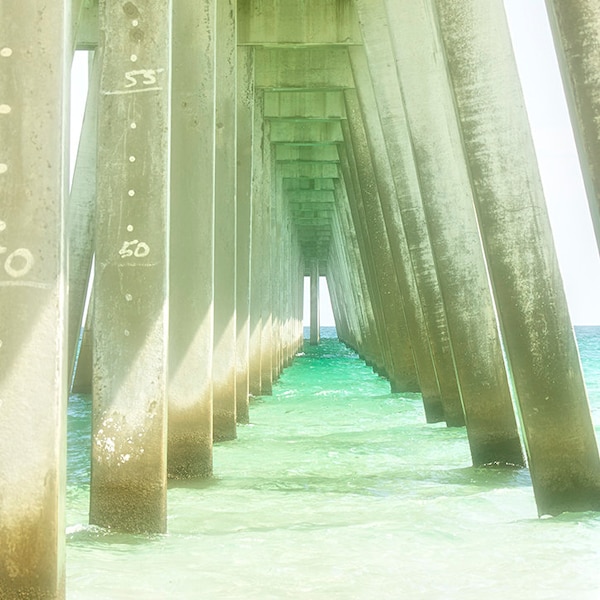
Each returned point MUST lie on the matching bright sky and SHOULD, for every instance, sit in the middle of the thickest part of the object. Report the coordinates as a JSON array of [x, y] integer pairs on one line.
[[557, 157]]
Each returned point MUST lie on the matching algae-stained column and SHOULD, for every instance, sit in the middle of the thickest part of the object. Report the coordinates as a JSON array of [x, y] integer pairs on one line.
[[576, 29], [257, 270], [81, 212], [314, 303], [224, 360], [35, 55], [245, 153], [539, 339], [367, 211], [384, 219], [421, 139], [192, 243], [407, 227], [128, 478]]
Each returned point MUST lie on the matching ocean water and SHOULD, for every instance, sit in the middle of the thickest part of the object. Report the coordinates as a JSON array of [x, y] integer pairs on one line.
[[339, 490]]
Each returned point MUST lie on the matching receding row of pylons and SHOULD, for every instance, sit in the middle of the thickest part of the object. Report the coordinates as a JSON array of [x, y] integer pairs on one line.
[[229, 149]]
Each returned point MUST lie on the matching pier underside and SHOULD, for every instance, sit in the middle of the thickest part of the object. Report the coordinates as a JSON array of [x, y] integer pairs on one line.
[[229, 149]]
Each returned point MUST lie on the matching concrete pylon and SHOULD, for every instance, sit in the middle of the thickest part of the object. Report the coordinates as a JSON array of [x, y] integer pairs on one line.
[[266, 333], [245, 154], [403, 222], [415, 132], [129, 421], [516, 233], [391, 221], [191, 289], [315, 320], [81, 213], [402, 368], [576, 30], [257, 270], [224, 359], [33, 275]]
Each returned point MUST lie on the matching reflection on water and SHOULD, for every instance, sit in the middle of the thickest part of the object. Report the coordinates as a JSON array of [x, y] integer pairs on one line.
[[339, 490]]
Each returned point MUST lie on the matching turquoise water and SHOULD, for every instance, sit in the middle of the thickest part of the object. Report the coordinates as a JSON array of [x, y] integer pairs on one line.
[[339, 490]]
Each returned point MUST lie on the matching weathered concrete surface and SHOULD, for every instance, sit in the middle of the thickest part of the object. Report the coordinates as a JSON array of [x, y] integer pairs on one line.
[[516, 233], [266, 333], [192, 240], [80, 217], [245, 154], [315, 320], [398, 248], [128, 477], [257, 271], [81, 383], [33, 272], [576, 29], [316, 22], [420, 137], [224, 358], [394, 331]]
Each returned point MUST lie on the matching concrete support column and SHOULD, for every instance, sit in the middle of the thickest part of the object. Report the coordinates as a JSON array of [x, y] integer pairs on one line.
[[192, 240], [81, 213], [224, 359], [401, 368], [539, 339], [419, 139], [81, 382], [129, 467], [35, 56], [315, 321], [576, 29], [387, 224], [257, 269], [366, 335], [266, 233], [245, 141], [409, 237]]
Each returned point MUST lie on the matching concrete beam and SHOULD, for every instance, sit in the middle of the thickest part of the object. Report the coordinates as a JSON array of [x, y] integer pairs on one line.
[[320, 68], [33, 274], [277, 22], [191, 289], [310, 133], [129, 435], [306, 155], [80, 217]]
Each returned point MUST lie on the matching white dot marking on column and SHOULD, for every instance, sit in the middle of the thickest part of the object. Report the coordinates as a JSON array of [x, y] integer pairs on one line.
[[128, 297], [6, 52], [129, 227], [4, 109], [131, 193], [133, 125], [133, 58], [2, 225], [135, 22], [132, 159], [3, 168], [126, 332]]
